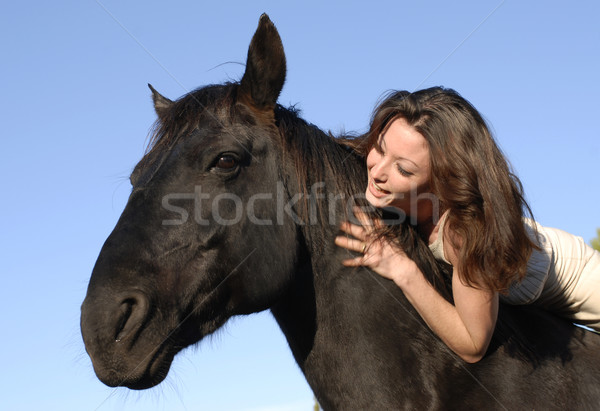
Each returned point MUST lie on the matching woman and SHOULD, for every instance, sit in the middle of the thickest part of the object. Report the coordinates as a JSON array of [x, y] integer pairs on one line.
[[431, 155]]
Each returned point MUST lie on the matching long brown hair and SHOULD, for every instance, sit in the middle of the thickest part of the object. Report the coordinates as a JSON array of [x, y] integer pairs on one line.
[[472, 180]]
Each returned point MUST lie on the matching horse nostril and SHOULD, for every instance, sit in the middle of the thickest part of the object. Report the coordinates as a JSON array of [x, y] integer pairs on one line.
[[125, 312], [131, 315]]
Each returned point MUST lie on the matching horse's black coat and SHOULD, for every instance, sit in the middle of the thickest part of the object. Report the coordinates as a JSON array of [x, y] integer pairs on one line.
[[182, 260]]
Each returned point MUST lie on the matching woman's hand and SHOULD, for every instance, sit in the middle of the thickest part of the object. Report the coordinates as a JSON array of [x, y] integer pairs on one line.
[[379, 254]]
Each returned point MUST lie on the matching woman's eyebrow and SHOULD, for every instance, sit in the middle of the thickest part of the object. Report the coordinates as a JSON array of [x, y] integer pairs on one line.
[[382, 145], [407, 159]]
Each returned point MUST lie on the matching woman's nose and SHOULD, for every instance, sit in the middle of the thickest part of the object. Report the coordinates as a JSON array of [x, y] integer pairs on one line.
[[378, 171]]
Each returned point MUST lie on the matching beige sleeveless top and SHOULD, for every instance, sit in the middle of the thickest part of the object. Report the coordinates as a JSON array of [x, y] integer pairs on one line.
[[530, 288]]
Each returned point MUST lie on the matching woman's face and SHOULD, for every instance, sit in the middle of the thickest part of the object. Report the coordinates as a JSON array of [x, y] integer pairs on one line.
[[399, 174]]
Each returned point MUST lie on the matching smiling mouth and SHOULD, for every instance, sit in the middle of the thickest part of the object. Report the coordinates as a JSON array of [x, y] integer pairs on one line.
[[378, 191], [379, 188]]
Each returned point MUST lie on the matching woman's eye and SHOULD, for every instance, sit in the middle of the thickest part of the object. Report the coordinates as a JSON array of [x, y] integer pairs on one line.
[[226, 162], [404, 172]]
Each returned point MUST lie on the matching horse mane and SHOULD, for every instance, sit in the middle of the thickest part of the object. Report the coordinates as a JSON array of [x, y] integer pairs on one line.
[[317, 155]]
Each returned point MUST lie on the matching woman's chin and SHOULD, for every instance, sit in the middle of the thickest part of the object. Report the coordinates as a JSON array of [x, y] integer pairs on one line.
[[378, 202]]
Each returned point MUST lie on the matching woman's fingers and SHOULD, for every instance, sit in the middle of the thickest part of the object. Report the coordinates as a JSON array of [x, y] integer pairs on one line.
[[354, 230], [377, 223], [351, 244], [354, 262]]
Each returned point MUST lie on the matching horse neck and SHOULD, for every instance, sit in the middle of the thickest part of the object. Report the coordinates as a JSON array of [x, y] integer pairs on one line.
[[311, 295], [333, 178], [331, 193]]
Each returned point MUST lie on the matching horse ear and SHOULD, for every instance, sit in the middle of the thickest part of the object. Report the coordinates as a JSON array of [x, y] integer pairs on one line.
[[161, 103], [265, 67]]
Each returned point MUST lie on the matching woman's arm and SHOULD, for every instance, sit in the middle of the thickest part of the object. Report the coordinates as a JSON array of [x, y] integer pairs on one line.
[[466, 327]]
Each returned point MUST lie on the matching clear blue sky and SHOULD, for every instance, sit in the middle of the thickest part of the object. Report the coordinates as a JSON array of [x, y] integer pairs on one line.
[[75, 114]]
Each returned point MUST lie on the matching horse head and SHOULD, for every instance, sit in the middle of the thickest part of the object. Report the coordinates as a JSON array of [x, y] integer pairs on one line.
[[193, 245]]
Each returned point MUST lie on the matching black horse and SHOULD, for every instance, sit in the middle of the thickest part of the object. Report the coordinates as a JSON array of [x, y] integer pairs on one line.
[[234, 210]]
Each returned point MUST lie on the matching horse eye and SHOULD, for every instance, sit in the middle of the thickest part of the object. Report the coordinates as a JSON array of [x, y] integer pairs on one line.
[[226, 162]]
